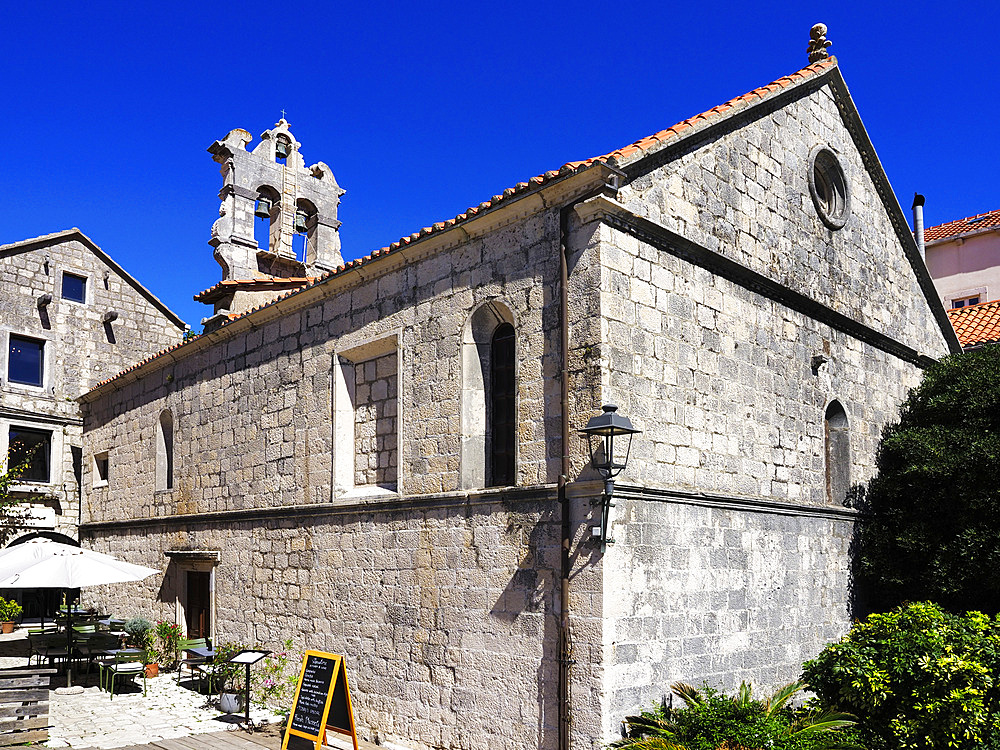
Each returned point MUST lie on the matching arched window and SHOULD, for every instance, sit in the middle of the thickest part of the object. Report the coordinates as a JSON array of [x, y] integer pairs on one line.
[[165, 451], [838, 454], [266, 212], [304, 237], [489, 398], [502, 415]]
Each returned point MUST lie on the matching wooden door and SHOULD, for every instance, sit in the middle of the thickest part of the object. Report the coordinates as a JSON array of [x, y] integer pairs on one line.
[[199, 605]]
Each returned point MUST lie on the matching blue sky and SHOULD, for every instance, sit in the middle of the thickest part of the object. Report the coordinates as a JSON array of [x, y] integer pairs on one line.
[[422, 110]]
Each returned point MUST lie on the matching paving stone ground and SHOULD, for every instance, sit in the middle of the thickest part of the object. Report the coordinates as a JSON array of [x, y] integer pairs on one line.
[[92, 720]]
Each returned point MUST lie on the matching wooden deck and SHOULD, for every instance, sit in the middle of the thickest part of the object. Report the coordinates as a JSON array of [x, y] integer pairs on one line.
[[269, 738], [235, 740]]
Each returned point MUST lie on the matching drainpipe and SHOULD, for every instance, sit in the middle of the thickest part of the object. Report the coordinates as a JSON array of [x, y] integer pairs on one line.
[[612, 182], [918, 223], [565, 645]]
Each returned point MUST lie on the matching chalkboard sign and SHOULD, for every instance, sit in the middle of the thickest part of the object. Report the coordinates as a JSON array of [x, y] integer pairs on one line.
[[322, 701]]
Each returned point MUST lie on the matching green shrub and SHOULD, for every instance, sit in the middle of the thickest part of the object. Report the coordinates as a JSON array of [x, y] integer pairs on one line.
[[229, 678], [712, 721], [916, 677], [140, 634]]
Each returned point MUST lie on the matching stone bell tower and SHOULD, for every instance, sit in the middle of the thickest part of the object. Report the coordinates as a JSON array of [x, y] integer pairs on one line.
[[298, 203]]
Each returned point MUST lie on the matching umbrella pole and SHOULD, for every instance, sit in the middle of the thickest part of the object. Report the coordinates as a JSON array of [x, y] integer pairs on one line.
[[69, 642]]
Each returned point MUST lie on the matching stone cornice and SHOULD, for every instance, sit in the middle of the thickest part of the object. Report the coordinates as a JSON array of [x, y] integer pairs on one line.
[[378, 504], [617, 216], [731, 502]]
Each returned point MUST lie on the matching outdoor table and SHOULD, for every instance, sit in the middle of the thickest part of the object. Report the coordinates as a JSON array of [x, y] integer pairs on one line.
[[204, 669]]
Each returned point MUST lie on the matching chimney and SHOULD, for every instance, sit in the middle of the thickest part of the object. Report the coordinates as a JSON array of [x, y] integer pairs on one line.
[[918, 223]]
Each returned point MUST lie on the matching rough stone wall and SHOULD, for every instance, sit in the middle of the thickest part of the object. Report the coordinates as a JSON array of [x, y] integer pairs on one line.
[[732, 560], [746, 195], [446, 609], [721, 381], [445, 604], [79, 351], [252, 413], [719, 593], [375, 409]]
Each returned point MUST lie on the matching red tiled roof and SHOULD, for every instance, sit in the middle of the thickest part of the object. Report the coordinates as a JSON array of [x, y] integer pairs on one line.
[[977, 324], [264, 283], [628, 153], [977, 223]]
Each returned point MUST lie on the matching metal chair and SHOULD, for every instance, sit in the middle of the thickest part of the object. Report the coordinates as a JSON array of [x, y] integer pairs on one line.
[[95, 648], [191, 662], [50, 646], [126, 664]]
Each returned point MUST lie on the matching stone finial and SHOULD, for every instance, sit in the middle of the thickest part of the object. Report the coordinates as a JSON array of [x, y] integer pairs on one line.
[[818, 43]]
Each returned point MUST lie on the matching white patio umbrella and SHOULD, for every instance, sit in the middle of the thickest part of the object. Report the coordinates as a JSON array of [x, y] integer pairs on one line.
[[44, 564]]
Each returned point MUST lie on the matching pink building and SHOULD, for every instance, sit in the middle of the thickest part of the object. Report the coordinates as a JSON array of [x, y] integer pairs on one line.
[[963, 258]]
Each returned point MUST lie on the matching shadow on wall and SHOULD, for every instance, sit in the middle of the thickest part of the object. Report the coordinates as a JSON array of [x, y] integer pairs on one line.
[[859, 596]]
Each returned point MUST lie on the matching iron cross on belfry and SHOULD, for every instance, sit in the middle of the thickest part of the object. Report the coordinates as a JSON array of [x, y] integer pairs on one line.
[[282, 114]]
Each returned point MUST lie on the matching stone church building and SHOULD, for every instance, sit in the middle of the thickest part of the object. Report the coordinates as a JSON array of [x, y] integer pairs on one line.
[[382, 458]]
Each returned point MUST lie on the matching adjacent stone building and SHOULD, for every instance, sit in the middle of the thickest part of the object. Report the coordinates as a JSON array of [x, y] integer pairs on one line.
[[385, 463], [70, 317]]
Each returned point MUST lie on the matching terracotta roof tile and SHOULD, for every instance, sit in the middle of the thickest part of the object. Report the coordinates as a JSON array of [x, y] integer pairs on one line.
[[977, 324], [263, 282], [613, 158], [978, 223]]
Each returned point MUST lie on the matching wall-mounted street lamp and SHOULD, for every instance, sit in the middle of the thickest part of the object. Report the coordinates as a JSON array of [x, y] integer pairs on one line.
[[609, 457]]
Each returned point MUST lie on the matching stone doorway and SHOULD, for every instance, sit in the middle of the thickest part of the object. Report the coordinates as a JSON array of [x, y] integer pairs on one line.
[[198, 608]]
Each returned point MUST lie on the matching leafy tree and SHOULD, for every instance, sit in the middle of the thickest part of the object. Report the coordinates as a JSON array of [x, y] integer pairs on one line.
[[931, 528], [11, 510]]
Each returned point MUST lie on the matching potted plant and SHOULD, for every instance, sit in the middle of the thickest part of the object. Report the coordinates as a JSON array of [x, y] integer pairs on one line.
[[230, 679], [139, 634], [9, 612]]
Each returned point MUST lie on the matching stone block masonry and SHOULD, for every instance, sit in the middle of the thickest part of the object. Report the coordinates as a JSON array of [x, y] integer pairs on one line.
[[113, 323], [375, 408]]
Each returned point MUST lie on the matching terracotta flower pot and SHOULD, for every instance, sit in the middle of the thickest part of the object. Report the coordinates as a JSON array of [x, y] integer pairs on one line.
[[152, 670], [8, 627]]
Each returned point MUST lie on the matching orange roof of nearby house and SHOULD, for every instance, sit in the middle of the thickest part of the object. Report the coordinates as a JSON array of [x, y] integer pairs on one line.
[[263, 283], [977, 324], [978, 223], [632, 152]]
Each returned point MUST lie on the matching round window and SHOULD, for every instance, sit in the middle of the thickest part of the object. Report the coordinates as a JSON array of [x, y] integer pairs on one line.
[[828, 187]]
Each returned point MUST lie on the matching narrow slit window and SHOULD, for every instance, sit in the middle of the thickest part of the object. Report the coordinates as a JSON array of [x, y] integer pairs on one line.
[[838, 454], [503, 423], [101, 466], [165, 451]]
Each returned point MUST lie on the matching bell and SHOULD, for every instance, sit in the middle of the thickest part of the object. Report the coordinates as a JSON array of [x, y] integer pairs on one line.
[[282, 148], [263, 210], [300, 222]]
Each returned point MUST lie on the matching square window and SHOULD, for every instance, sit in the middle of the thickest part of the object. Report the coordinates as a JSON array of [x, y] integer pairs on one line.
[[25, 360], [33, 445], [74, 287], [961, 302], [101, 465]]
